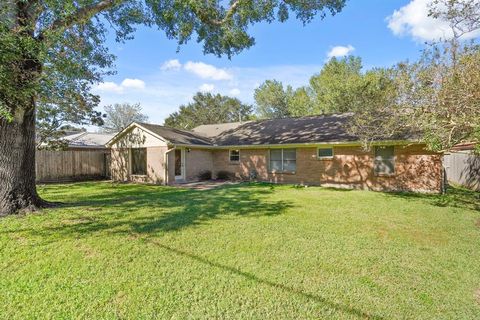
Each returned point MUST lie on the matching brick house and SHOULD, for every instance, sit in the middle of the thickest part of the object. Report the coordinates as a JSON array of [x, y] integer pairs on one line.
[[314, 150]]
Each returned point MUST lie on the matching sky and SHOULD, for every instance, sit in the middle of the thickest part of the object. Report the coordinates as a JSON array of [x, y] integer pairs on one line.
[[152, 72]]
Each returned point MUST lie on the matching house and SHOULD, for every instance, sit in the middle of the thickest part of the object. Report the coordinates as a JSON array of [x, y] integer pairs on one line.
[[314, 150], [87, 140]]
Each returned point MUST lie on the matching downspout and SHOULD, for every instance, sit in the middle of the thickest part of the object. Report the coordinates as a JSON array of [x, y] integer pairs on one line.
[[166, 163]]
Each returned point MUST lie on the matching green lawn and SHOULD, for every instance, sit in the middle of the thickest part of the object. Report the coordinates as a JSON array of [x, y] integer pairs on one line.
[[245, 251]]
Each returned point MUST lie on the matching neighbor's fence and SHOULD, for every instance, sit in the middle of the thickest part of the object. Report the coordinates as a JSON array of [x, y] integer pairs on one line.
[[71, 165], [463, 168]]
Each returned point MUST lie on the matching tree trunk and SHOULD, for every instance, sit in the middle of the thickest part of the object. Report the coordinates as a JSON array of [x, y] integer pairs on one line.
[[17, 163]]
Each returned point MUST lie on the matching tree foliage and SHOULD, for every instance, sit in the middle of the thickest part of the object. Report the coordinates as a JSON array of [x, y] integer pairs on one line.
[[120, 115], [333, 89], [272, 100], [208, 108]]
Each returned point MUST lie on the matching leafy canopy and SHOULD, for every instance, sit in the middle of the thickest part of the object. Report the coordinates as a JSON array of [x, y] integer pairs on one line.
[[207, 108]]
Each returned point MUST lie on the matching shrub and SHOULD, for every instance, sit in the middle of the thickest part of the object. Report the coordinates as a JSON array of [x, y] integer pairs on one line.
[[225, 175], [205, 175]]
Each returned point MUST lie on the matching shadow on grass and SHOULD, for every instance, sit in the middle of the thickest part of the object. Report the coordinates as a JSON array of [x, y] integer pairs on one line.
[[152, 209], [454, 197], [250, 276]]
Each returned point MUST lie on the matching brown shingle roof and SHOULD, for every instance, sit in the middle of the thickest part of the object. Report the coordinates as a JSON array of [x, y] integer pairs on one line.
[[213, 130], [311, 129], [177, 136], [325, 128]]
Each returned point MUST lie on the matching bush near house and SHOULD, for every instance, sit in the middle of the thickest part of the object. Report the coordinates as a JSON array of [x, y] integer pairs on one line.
[[225, 175], [205, 175]]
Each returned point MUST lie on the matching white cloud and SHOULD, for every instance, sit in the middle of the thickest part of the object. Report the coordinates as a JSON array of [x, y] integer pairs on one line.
[[207, 71], [234, 92], [172, 64], [413, 20], [127, 83], [109, 87], [340, 51], [206, 87], [133, 83]]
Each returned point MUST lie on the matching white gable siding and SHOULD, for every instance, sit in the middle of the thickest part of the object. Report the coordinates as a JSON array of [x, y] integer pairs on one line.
[[138, 138]]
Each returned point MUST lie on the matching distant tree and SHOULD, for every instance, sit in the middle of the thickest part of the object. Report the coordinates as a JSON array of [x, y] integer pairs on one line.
[[300, 102], [120, 115], [335, 87], [272, 100], [208, 108]]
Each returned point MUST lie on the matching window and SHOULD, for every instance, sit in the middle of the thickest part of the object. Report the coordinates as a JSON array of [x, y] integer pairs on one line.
[[234, 155], [325, 153], [139, 161], [384, 160], [283, 160]]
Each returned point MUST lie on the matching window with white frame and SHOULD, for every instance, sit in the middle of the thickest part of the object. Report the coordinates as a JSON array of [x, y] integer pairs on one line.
[[384, 160], [283, 160], [325, 153], [234, 155], [139, 161]]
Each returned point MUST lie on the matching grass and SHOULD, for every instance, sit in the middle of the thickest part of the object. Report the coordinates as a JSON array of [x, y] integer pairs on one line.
[[249, 251]]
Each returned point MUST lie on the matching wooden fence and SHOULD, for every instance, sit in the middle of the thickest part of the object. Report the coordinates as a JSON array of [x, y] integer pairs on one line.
[[71, 165], [463, 168]]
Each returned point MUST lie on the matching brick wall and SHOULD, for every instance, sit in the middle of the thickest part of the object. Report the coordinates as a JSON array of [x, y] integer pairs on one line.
[[415, 168], [197, 161]]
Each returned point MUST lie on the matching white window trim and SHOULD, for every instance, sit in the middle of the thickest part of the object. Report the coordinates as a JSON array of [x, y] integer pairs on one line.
[[281, 171], [325, 158], [230, 156]]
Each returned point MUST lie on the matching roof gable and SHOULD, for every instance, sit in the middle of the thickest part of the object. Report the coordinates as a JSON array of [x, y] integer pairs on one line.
[[169, 135], [177, 136]]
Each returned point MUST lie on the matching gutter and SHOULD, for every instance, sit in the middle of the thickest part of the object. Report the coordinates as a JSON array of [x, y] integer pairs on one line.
[[305, 144]]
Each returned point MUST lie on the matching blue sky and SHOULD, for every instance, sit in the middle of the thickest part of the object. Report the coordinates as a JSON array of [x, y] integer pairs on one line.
[[151, 71]]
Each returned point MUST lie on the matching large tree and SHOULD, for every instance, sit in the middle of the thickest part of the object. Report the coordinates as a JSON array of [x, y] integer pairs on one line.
[[51, 52], [208, 108], [120, 115]]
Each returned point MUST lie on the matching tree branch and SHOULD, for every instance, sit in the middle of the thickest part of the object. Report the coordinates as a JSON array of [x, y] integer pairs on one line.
[[230, 12], [82, 14]]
